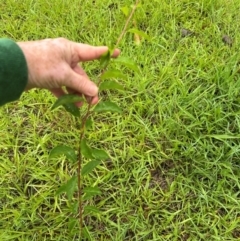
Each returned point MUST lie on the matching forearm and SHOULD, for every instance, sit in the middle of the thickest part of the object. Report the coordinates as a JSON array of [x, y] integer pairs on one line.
[[13, 71]]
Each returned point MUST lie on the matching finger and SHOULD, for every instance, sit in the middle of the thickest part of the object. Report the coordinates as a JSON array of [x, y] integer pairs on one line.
[[57, 92], [91, 100], [80, 71], [87, 52], [81, 84], [94, 100], [71, 91]]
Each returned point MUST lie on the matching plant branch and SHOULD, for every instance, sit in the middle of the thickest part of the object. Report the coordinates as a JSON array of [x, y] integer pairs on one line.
[[82, 128], [80, 207], [127, 23]]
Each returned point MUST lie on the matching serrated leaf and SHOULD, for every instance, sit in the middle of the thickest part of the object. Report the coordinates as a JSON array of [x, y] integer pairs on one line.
[[74, 207], [110, 85], [85, 149], [89, 167], [99, 154], [91, 192], [66, 99], [125, 10], [63, 150], [72, 222], [89, 124], [128, 63], [105, 59], [68, 188], [113, 73], [85, 234], [105, 106], [140, 33], [73, 109], [91, 209]]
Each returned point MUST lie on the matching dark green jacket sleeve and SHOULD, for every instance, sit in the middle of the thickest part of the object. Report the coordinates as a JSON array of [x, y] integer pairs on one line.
[[13, 71]]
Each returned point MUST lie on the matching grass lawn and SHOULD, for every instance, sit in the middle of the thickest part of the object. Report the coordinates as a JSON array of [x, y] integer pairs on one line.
[[175, 151]]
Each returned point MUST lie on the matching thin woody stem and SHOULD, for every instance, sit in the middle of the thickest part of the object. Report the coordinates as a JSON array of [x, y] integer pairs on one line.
[[82, 129], [127, 23], [80, 207]]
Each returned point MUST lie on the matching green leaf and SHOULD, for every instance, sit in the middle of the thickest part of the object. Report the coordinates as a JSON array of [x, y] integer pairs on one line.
[[91, 192], [66, 99], [85, 149], [105, 106], [72, 222], [125, 10], [68, 188], [110, 85], [105, 59], [140, 33], [85, 233], [74, 207], [100, 154], [114, 73], [63, 150], [89, 167], [91, 209], [128, 63], [89, 124], [73, 109]]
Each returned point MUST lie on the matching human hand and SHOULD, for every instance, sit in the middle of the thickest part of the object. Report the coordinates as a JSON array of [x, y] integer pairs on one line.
[[54, 64]]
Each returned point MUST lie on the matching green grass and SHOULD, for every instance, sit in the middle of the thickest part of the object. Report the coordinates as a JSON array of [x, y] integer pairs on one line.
[[175, 150]]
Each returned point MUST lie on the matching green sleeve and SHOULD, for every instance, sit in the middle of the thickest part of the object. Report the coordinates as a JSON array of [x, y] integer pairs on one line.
[[13, 71]]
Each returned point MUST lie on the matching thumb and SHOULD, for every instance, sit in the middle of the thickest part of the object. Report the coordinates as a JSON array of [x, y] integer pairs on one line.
[[87, 52]]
